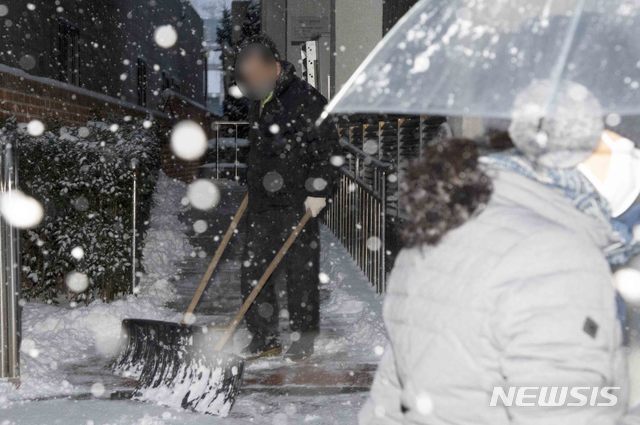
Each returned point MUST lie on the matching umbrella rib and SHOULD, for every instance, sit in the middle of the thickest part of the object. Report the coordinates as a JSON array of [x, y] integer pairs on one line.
[[556, 75], [442, 79]]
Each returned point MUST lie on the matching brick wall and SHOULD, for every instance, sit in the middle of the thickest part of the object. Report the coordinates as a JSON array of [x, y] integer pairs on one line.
[[26, 98]]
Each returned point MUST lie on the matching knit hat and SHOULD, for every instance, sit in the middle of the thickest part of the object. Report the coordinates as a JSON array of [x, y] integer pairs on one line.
[[566, 134]]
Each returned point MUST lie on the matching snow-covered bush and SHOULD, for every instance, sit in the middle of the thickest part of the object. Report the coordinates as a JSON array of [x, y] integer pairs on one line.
[[84, 179]]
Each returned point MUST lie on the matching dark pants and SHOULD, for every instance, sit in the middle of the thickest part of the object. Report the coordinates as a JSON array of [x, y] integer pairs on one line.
[[266, 232]]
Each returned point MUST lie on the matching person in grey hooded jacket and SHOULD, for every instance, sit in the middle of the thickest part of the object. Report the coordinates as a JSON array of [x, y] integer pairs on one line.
[[505, 285]]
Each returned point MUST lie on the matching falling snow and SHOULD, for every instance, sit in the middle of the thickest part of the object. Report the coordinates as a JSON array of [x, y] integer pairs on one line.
[[166, 36], [188, 140]]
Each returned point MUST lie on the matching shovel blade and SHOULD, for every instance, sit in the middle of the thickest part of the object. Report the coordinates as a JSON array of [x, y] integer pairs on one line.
[[152, 344], [201, 383]]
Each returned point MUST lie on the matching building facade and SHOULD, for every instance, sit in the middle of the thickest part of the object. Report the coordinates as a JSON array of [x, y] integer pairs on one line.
[[215, 71], [345, 32], [107, 47]]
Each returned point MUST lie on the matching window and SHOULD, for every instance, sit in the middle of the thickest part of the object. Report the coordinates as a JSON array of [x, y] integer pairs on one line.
[[142, 82], [68, 53]]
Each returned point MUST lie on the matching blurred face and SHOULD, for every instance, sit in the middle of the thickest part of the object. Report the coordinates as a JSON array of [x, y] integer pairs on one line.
[[614, 169], [257, 75]]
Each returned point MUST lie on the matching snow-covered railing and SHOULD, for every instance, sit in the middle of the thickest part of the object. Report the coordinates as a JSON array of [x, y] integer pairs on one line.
[[357, 214], [9, 273]]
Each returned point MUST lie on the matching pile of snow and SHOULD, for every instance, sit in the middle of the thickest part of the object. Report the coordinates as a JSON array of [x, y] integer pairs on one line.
[[166, 242], [352, 300], [55, 338]]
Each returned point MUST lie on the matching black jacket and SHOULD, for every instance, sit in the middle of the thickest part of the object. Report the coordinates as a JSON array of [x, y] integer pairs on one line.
[[289, 156]]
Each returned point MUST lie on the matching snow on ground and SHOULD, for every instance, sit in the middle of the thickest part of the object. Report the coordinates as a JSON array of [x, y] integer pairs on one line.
[[351, 299], [55, 337], [351, 331], [321, 410]]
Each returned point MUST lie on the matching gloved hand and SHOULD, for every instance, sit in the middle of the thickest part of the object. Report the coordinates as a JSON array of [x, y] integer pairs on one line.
[[315, 205]]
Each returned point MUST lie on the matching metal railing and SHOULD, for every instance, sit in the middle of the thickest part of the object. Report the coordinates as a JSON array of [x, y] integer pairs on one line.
[[9, 273], [227, 149], [357, 214], [379, 150]]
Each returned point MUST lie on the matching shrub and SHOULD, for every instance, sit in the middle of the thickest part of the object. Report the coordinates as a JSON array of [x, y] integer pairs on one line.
[[84, 179]]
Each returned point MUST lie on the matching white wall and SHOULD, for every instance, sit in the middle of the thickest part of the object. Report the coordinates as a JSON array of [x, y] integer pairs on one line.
[[358, 30]]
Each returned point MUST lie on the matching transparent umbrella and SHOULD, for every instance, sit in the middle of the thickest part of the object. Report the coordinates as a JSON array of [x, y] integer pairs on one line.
[[473, 57]]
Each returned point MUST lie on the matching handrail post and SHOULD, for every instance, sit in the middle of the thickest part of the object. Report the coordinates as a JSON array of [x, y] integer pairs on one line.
[[9, 275], [134, 226], [383, 230], [235, 160], [217, 151]]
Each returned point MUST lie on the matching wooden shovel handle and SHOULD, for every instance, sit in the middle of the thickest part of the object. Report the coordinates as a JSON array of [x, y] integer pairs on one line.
[[216, 259], [263, 280]]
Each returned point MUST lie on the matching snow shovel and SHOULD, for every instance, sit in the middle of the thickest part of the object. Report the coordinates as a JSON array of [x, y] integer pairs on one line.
[[202, 380], [153, 341]]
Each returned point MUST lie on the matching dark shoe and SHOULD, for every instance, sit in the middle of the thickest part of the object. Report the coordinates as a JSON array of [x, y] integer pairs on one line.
[[302, 348], [263, 347]]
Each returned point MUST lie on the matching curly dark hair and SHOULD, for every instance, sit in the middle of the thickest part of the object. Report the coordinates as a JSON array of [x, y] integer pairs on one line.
[[443, 190]]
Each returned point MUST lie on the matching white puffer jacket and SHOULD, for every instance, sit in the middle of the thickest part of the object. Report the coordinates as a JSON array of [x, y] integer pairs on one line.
[[521, 295]]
